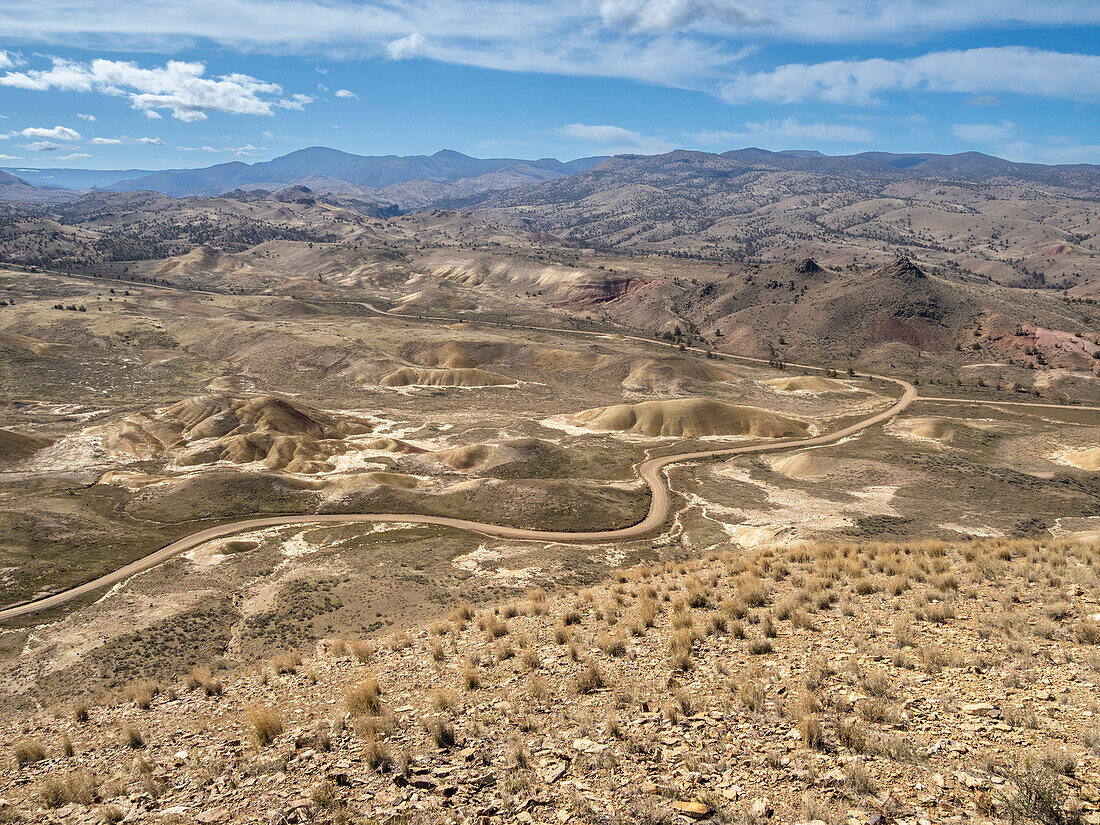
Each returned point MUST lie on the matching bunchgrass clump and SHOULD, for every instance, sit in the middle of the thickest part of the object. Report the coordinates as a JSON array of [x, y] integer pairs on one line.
[[265, 723]]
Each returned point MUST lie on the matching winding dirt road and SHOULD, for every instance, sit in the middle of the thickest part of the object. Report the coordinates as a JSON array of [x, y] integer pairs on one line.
[[650, 471]]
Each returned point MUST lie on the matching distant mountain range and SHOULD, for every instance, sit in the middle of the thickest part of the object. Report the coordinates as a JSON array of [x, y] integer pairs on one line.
[[451, 178], [384, 178]]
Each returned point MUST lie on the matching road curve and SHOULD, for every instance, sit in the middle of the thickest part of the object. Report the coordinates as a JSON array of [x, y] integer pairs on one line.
[[650, 471]]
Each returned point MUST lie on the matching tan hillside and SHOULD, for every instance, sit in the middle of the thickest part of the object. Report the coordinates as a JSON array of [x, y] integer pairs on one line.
[[689, 418]]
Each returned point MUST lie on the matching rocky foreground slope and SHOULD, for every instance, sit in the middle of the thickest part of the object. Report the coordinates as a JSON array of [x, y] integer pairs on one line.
[[852, 683]]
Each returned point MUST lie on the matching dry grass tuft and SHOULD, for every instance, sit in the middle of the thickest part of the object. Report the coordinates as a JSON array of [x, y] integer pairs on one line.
[[81, 712], [363, 698], [28, 751], [142, 693], [132, 737], [361, 650], [588, 680], [288, 662], [265, 723]]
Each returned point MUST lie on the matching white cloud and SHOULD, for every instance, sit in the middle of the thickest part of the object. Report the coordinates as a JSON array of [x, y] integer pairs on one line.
[[1062, 151], [178, 86], [687, 43], [654, 16], [153, 114], [295, 101], [10, 157], [74, 156], [403, 48], [44, 146], [566, 37], [149, 141], [246, 151], [1002, 68], [89, 118], [346, 93], [599, 134], [50, 133], [984, 132], [7, 60], [783, 134], [615, 139], [325, 27]]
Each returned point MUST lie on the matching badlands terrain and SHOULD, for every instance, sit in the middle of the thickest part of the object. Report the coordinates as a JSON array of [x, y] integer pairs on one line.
[[315, 509]]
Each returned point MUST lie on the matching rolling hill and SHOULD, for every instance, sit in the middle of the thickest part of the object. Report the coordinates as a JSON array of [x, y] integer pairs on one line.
[[1020, 224]]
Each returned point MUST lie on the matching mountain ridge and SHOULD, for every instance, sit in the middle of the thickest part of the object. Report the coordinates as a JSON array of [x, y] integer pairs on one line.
[[370, 175]]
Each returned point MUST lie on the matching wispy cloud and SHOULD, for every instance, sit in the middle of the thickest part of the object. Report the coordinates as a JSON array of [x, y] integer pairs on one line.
[[178, 86], [49, 133], [117, 141], [614, 139], [246, 151], [984, 132], [356, 25], [656, 16], [346, 94], [994, 69], [1060, 151], [782, 134]]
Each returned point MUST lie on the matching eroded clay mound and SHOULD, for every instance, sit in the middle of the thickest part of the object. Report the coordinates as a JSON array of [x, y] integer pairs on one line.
[[668, 375], [294, 454], [458, 377], [1084, 459], [803, 466], [503, 457], [688, 418], [807, 383], [281, 434], [466, 457], [19, 446], [393, 445], [933, 429]]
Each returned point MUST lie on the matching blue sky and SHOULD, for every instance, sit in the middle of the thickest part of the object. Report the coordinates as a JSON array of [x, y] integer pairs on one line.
[[160, 84]]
